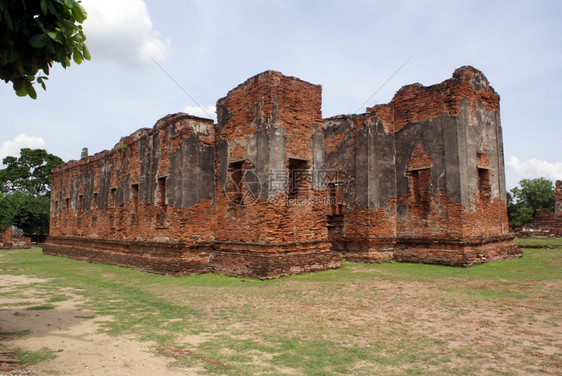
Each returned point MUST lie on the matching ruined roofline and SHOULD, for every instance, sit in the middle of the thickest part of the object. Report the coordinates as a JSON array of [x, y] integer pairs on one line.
[[461, 75], [416, 102], [466, 81], [160, 123], [268, 73], [133, 137]]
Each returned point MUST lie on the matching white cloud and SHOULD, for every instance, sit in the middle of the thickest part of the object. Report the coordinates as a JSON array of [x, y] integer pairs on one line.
[[207, 112], [122, 30], [535, 168], [12, 147]]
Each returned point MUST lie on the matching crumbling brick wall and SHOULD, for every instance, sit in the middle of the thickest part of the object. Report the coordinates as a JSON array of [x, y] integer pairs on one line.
[[265, 139], [173, 184], [152, 185], [273, 189], [12, 238], [145, 203], [557, 223], [425, 174]]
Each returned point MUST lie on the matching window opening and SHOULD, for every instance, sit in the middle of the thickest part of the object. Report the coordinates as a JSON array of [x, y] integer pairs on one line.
[[161, 198], [235, 185], [135, 195], [484, 183], [299, 178], [111, 201]]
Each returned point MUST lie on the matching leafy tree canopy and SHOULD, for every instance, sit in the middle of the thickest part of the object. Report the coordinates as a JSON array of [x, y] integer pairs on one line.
[[530, 197], [30, 173], [28, 212], [36, 33]]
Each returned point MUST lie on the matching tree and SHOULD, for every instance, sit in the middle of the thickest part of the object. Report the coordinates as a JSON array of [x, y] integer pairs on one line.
[[30, 173], [6, 212], [28, 212], [530, 197], [25, 185], [36, 33]]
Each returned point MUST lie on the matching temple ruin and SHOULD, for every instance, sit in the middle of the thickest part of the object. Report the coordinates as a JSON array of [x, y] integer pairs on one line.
[[13, 238], [273, 189], [546, 222]]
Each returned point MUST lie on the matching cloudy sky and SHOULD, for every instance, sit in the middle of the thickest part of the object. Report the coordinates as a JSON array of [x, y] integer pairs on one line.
[[350, 47]]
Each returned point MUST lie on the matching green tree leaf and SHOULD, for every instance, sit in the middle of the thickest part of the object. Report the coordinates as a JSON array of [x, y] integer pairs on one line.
[[38, 41], [10, 56], [87, 55], [19, 87], [77, 13], [43, 5], [40, 81], [77, 55], [30, 90]]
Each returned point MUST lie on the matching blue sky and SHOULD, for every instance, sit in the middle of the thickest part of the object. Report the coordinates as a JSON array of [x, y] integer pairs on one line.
[[349, 47]]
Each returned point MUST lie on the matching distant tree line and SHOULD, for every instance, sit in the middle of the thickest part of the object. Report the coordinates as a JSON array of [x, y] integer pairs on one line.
[[524, 201], [25, 187]]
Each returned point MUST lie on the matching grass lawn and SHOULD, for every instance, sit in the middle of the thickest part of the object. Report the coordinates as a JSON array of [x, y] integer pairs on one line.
[[539, 241], [501, 318]]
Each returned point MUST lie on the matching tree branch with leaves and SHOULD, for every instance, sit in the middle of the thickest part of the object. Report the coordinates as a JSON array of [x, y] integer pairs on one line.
[[30, 173], [34, 34]]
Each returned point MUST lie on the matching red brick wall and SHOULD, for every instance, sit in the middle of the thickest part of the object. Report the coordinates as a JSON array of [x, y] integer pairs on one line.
[[415, 103], [557, 228], [281, 102], [83, 206], [165, 199], [11, 240], [426, 215]]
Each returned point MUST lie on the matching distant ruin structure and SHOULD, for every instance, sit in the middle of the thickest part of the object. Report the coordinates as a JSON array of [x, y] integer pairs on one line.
[[546, 222], [273, 189], [557, 222], [13, 238]]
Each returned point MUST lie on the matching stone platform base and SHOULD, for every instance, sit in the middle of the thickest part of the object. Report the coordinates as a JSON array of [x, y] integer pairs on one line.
[[266, 261], [366, 250], [235, 259], [457, 253], [269, 261], [156, 257], [429, 251]]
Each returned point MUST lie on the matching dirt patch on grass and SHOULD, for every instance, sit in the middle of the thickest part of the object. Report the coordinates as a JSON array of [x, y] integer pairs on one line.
[[8, 282], [74, 335]]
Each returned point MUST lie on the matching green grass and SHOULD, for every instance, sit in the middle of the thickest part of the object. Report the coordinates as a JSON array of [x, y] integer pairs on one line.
[[31, 357], [539, 241], [17, 333], [42, 307], [363, 319]]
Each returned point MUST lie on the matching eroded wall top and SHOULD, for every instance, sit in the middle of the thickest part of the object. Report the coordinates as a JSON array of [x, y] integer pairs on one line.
[[415, 103]]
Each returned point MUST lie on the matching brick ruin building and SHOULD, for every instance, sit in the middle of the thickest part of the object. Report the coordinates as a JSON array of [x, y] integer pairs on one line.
[[12, 238], [274, 189], [557, 223], [546, 222]]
